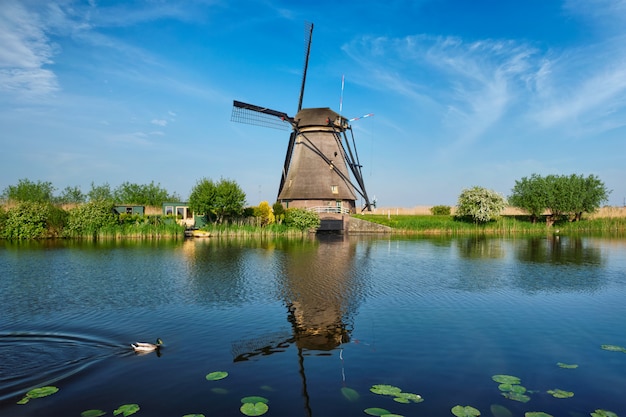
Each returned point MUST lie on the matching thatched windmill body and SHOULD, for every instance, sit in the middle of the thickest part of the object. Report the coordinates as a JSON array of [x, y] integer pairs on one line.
[[321, 170]]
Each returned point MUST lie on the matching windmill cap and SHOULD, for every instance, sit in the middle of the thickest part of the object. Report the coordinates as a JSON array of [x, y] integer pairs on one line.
[[321, 116]]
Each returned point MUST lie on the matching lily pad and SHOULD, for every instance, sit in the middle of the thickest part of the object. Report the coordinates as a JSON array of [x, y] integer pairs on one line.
[[515, 396], [38, 393], [566, 365], [614, 348], [520, 389], [92, 413], [255, 399], [464, 411], [349, 394], [374, 411], [219, 391], [385, 390], [603, 413], [216, 376], [506, 379], [126, 410], [559, 393], [193, 415], [537, 414], [408, 397], [254, 409]]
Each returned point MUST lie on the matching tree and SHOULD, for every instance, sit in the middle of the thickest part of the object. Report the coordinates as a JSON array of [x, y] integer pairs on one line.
[[530, 194], [279, 212], [71, 195], [217, 201], [265, 213], [27, 190], [480, 204], [144, 194], [100, 192], [561, 195]]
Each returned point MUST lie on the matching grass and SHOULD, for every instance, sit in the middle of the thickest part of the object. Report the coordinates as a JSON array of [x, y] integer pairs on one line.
[[516, 224]]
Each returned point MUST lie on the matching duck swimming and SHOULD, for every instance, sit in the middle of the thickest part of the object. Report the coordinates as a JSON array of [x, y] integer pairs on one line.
[[142, 347]]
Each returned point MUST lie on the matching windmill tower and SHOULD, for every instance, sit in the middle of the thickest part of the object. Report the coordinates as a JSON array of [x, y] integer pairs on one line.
[[321, 170]]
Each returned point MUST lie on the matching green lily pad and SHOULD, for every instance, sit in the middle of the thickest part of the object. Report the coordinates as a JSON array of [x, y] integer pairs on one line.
[[408, 397], [255, 399], [464, 411], [614, 348], [126, 410], [559, 393], [566, 365], [254, 409], [515, 396], [92, 413], [506, 379], [349, 394], [603, 413], [520, 389], [385, 390], [216, 376], [537, 414], [193, 415], [374, 411], [38, 393]]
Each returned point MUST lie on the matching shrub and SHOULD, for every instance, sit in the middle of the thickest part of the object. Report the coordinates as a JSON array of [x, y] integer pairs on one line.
[[440, 210], [88, 219], [301, 219], [30, 220], [480, 204]]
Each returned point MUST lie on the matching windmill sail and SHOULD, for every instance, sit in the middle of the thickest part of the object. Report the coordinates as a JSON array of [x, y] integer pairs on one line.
[[321, 169]]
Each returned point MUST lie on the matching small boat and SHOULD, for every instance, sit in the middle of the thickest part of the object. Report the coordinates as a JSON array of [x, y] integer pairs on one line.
[[142, 347]]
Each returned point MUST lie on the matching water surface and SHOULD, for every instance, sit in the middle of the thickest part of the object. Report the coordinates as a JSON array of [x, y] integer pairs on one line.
[[295, 321]]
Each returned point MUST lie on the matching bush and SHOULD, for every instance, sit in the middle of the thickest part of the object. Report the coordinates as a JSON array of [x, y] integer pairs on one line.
[[440, 210], [301, 219], [480, 204], [32, 220], [88, 219]]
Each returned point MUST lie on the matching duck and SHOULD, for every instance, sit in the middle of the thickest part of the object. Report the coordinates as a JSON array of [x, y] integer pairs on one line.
[[142, 347]]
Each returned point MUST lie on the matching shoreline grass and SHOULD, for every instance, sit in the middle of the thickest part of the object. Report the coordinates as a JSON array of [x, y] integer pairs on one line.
[[504, 225]]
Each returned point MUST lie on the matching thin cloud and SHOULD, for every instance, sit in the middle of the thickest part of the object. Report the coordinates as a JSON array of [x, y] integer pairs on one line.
[[25, 50], [159, 122]]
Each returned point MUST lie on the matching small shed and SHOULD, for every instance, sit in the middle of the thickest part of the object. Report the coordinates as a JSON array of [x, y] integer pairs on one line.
[[183, 214], [129, 209]]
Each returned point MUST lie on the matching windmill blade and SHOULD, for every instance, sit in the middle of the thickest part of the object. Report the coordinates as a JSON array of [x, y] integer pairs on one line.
[[308, 35], [260, 116]]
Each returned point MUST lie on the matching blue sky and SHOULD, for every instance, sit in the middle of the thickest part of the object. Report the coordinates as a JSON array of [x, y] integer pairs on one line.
[[464, 93]]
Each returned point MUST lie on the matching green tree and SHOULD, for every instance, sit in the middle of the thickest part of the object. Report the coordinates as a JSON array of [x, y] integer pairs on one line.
[[217, 201], [480, 204], [530, 195], [302, 219], [100, 192], [279, 212], [144, 194], [71, 195], [27, 190]]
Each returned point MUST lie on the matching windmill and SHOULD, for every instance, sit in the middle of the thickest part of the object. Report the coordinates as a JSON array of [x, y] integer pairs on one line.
[[322, 169]]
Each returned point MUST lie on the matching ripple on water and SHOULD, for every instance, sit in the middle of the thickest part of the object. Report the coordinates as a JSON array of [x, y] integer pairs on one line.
[[31, 359]]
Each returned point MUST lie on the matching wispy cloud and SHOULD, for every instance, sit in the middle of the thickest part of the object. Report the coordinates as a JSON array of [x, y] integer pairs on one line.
[[25, 50], [159, 122]]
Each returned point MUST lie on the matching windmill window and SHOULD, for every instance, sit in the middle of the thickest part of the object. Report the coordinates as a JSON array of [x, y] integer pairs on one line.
[[334, 189]]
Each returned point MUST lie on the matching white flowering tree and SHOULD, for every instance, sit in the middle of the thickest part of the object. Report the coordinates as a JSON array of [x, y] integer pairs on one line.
[[480, 204]]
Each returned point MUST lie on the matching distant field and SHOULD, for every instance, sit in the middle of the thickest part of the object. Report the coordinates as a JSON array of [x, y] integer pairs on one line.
[[604, 212]]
